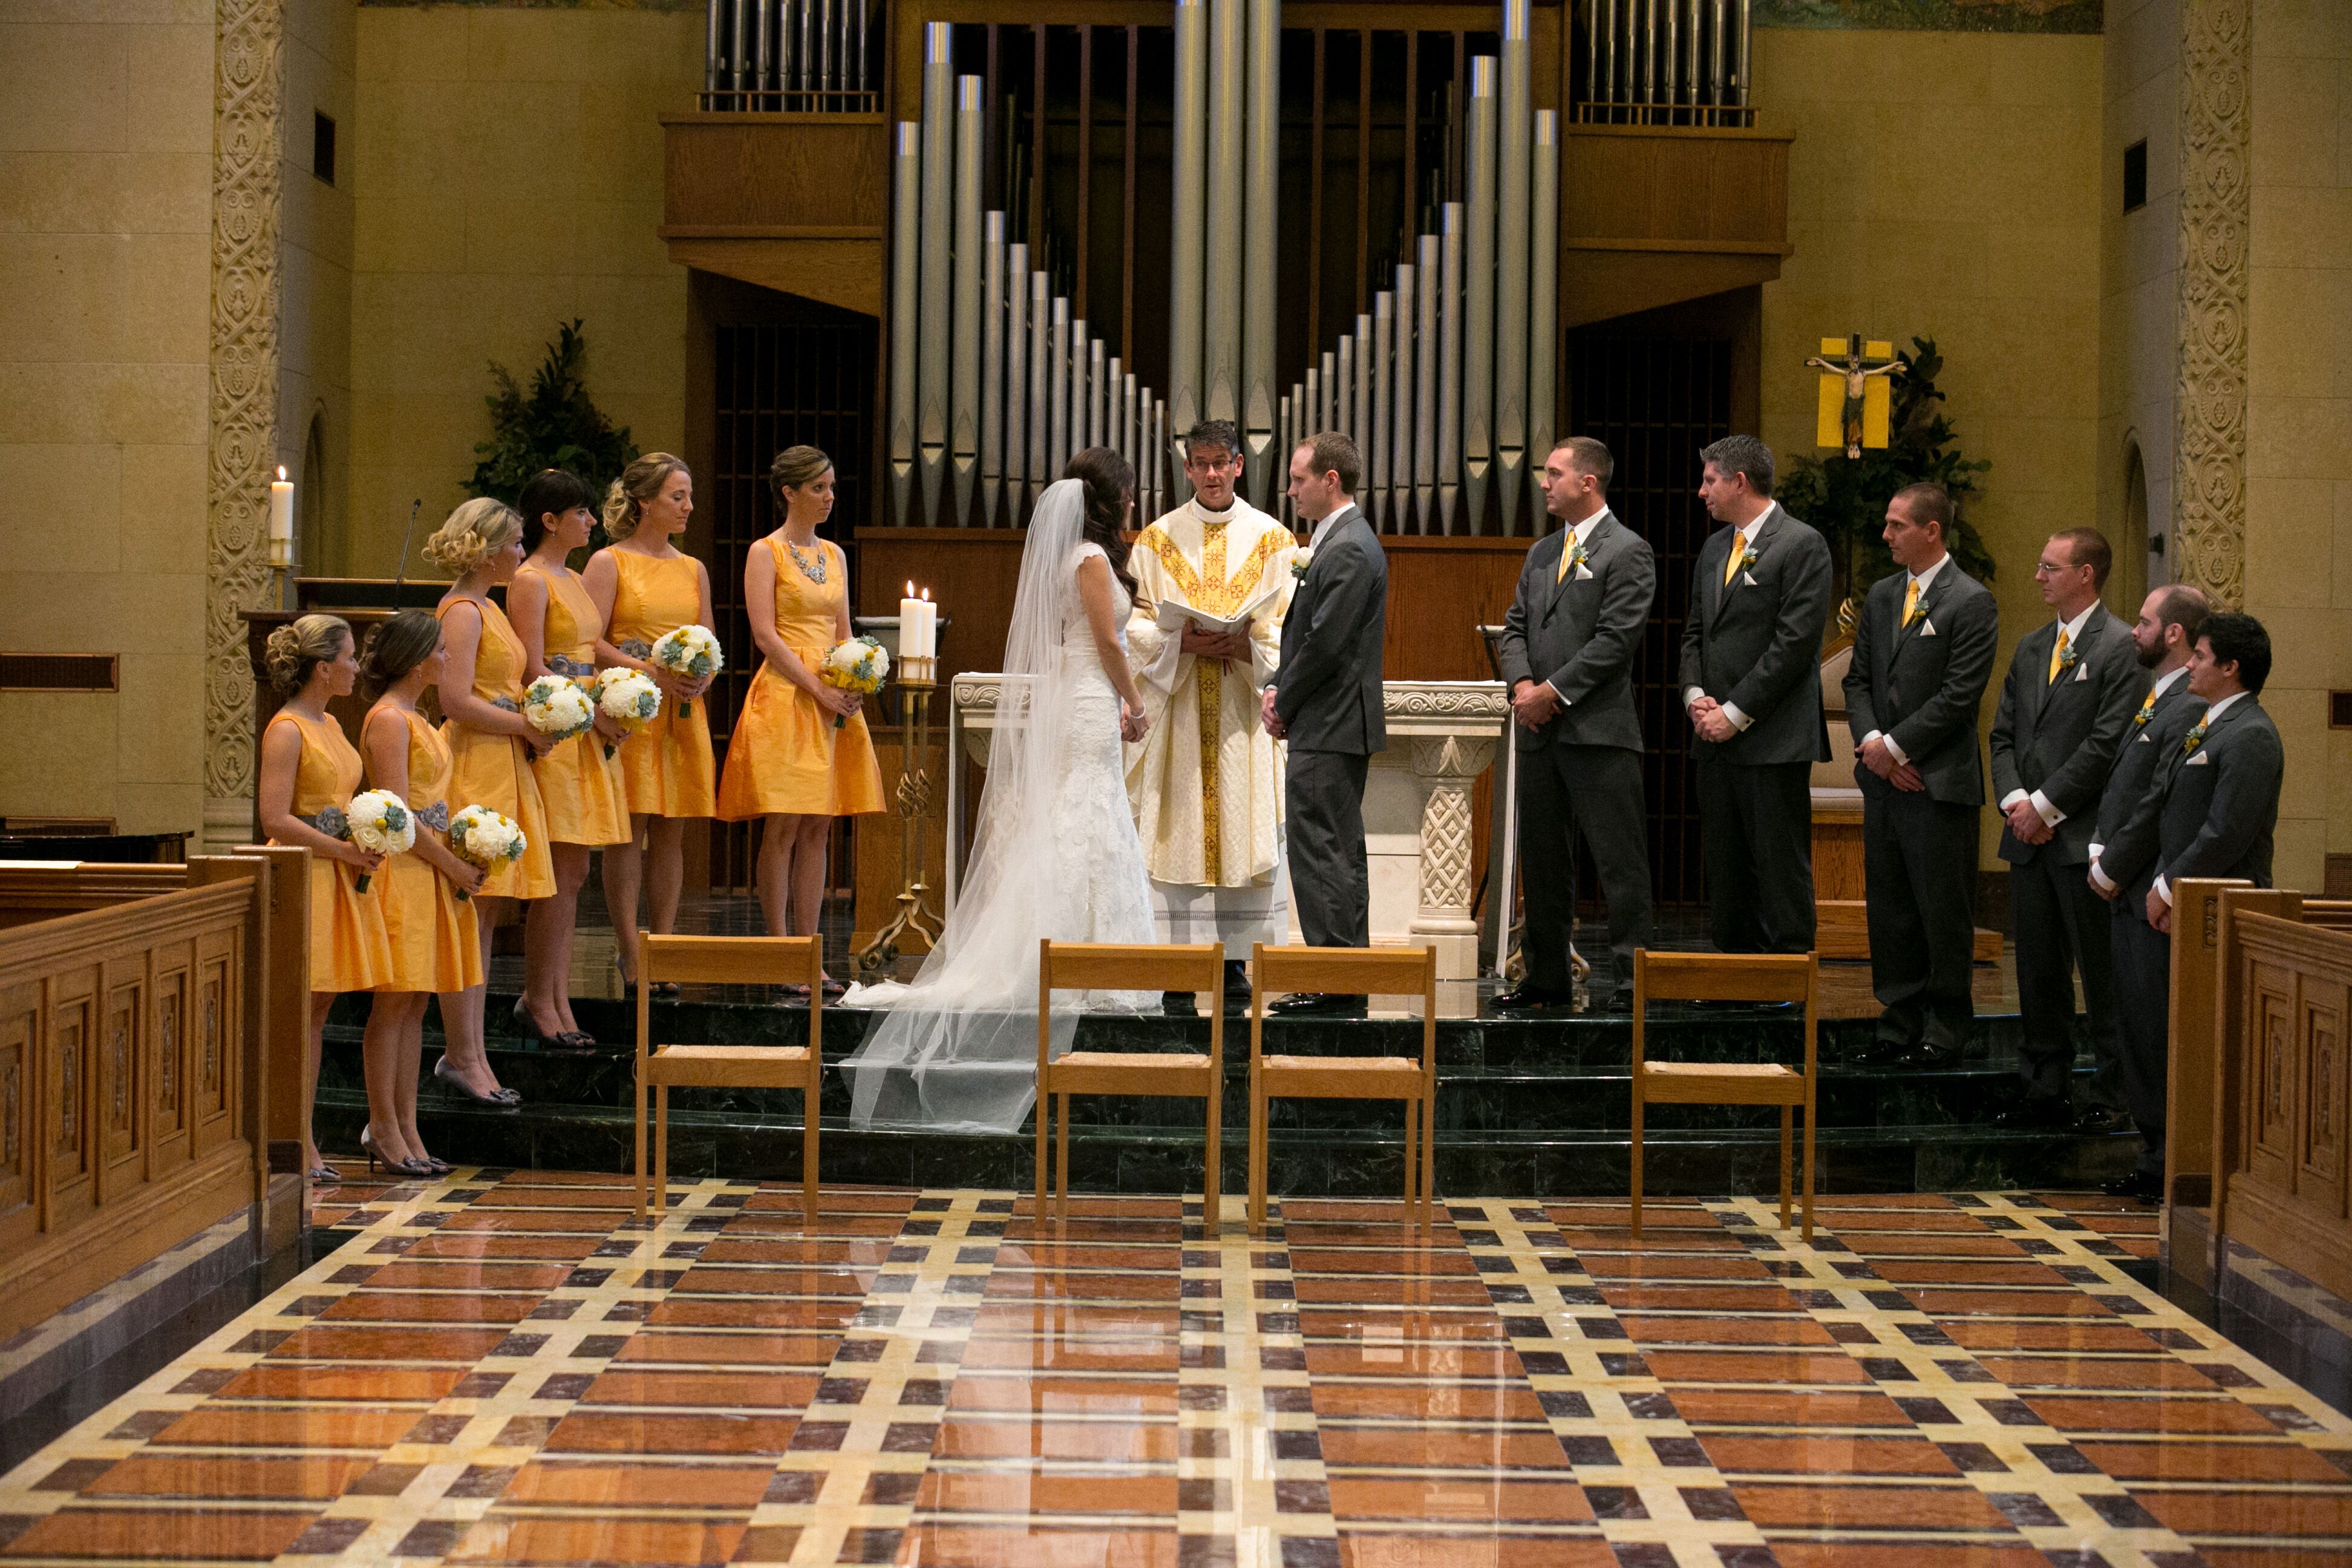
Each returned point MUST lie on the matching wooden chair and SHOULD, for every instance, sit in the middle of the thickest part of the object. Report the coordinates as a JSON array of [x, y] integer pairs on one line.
[[1693, 977], [726, 961], [1346, 971], [1182, 1074]]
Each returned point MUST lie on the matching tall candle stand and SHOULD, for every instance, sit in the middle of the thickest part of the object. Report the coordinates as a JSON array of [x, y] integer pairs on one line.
[[914, 916]]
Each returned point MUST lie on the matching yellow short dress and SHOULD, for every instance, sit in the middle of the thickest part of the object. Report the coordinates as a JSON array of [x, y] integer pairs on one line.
[[493, 770], [667, 765], [349, 949], [785, 754], [579, 786], [436, 944]]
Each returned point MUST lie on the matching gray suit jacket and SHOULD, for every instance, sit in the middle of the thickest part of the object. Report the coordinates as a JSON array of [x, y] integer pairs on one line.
[[1327, 689], [2061, 736], [1581, 633], [1756, 643], [2212, 811], [1923, 684], [2136, 758]]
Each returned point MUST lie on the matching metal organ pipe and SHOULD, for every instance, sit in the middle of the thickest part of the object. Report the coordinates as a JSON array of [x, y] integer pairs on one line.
[[1221, 368], [1376, 457], [1043, 317], [1478, 301], [992, 365], [1016, 375], [1517, 132], [1262, 233], [1058, 394], [1359, 412], [1400, 385], [1431, 279], [1189, 157], [1449, 369], [905, 240], [937, 217], [963, 424], [1543, 315]]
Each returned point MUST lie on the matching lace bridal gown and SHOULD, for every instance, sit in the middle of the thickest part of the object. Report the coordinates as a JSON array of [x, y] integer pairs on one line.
[[1055, 856]]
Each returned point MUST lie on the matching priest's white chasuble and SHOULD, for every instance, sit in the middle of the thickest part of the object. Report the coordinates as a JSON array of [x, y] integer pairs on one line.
[[1206, 781]]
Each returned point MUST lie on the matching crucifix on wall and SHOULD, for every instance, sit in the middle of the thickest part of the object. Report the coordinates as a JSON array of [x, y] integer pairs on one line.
[[1856, 398]]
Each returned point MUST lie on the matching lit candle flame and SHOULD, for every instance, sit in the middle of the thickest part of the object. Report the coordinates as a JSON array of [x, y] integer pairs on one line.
[[281, 473], [910, 590], [927, 595]]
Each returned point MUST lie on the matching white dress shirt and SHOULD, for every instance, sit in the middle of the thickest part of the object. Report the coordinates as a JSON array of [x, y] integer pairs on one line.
[[2051, 814], [1693, 693], [1925, 580]]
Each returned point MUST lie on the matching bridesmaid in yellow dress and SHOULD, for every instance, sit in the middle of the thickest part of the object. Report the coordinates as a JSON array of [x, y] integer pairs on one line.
[[645, 588], [786, 761], [309, 772], [437, 948], [490, 744], [579, 784]]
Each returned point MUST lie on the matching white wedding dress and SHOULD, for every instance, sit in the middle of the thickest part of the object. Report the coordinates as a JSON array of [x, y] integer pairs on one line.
[[1055, 855]]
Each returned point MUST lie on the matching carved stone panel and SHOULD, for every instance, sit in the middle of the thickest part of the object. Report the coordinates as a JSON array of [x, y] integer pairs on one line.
[[2208, 477]]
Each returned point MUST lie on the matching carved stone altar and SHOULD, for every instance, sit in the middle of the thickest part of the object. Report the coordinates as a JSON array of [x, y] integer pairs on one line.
[[1417, 811]]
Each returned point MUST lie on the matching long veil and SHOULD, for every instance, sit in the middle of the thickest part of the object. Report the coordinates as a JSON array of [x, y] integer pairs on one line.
[[958, 1048]]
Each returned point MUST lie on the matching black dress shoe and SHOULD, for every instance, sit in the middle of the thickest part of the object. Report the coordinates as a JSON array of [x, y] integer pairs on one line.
[[1614, 1002], [1533, 999], [1308, 1005], [2140, 1186], [1924, 1055], [2037, 1113], [2101, 1119], [1883, 1054], [1179, 1004]]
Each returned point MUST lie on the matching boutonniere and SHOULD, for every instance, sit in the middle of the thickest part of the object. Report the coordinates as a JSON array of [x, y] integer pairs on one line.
[[1578, 560], [1748, 559], [1301, 561], [2146, 711], [2066, 657], [2194, 739]]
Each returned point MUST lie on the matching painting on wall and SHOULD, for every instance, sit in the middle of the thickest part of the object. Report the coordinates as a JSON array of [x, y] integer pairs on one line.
[[1935, 16]]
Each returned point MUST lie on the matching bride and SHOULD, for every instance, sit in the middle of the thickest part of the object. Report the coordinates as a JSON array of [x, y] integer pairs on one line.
[[1055, 854]]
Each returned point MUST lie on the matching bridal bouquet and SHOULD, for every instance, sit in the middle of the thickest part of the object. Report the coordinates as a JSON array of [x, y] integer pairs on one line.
[[859, 664], [555, 706], [480, 836], [379, 821], [627, 697], [691, 652]]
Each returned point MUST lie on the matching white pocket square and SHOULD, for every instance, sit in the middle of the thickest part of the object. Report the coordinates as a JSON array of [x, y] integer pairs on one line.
[[1584, 574], [1926, 629], [1748, 578], [2198, 761], [2143, 738]]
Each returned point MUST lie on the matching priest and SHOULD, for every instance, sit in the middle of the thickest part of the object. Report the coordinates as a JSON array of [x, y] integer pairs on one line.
[[1212, 579]]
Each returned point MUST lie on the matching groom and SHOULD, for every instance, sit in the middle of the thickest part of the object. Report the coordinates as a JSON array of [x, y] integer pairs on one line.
[[1326, 703]]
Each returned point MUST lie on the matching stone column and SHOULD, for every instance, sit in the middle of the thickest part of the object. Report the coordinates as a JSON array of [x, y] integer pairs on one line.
[[2209, 462], [1446, 767], [248, 101]]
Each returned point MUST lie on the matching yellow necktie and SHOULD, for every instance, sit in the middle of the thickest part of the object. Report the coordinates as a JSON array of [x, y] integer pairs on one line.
[[1738, 550], [1567, 556], [1911, 602], [2057, 655]]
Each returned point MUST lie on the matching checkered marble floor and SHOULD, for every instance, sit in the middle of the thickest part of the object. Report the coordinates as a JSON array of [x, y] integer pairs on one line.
[[501, 1368]]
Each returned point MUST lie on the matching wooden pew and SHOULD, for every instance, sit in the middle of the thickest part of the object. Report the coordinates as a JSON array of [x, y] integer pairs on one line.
[[138, 1050], [2276, 1130]]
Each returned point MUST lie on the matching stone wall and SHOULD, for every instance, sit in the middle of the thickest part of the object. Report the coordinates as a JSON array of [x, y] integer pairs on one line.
[[106, 175]]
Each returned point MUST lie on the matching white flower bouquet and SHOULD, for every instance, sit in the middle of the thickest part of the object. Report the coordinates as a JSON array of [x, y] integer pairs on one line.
[[628, 697], [555, 706], [379, 821], [860, 664], [482, 837], [690, 652]]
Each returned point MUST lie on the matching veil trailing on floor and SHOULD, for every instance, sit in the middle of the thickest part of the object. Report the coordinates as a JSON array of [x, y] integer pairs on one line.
[[958, 1047]]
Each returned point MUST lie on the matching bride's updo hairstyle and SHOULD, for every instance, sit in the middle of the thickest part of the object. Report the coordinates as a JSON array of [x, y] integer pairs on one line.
[[294, 650], [477, 531], [624, 503], [1109, 481]]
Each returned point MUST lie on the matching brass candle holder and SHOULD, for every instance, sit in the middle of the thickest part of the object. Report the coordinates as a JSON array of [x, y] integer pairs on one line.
[[914, 916]]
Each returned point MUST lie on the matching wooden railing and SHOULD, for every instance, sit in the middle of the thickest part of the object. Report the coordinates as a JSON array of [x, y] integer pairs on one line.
[[2259, 1097], [141, 1036]]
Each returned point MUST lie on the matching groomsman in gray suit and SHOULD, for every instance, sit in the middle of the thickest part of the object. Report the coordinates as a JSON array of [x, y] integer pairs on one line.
[[1328, 704], [1752, 685], [1923, 653], [2211, 812], [1567, 650], [2073, 684]]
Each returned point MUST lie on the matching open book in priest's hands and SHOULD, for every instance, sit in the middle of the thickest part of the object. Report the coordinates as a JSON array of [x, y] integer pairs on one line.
[[1173, 616]]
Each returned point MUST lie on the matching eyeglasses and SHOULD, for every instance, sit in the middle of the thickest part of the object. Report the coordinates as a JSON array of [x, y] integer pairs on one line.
[[2050, 569]]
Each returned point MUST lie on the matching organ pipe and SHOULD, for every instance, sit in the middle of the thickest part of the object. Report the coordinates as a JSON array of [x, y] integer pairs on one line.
[[1427, 356], [1016, 375], [1221, 369], [991, 366], [1188, 172], [963, 427], [1045, 318], [1449, 369], [1383, 353], [906, 172], [1400, 385], [1263, 158], [1058, 394], [938, 216], [1478, 301], [1511, 343], [1543, 317]]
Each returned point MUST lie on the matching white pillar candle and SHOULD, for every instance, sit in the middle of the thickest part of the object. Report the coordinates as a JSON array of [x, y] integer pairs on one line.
[[281, 520], [910, 616], [930, 626]]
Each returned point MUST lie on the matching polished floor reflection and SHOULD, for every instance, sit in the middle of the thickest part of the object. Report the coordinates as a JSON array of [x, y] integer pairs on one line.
[[500, 1368]]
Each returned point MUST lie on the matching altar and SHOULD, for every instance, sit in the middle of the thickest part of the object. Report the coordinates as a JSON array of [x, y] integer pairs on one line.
[[1417, 825]]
